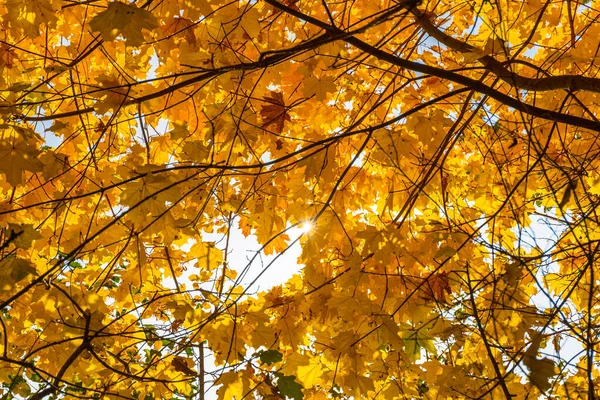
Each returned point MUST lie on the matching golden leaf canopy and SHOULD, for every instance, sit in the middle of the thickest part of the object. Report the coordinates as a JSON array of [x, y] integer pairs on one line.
[[433, 164]]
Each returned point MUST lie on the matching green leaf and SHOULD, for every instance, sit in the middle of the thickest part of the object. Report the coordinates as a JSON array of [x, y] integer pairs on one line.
[[270, 356], [288, 386]]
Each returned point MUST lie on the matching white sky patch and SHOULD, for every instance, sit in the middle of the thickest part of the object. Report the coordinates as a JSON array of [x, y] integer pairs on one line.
[[261, 270], [151, 74], [544, 232], [258, 271]]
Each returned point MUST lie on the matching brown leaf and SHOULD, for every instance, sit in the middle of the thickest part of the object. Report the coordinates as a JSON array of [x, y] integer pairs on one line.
[[7, 56], [180, 365], [437, 287], [540, 371], [275, 113], [291, 4]]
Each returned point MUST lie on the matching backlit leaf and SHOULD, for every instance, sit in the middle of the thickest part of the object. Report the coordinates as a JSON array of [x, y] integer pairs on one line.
[[123, 19], [14, 269]]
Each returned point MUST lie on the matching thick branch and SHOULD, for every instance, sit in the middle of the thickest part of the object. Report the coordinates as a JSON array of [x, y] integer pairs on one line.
[[567, 82]]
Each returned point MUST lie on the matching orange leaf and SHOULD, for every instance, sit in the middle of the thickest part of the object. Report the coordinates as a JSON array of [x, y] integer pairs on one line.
[[181, 26], [437, 287]]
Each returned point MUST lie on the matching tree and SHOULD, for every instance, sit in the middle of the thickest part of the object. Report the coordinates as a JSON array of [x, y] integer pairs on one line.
[[445, 155]]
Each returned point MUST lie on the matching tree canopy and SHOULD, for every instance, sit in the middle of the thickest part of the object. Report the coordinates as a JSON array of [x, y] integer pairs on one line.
[[442, 156]]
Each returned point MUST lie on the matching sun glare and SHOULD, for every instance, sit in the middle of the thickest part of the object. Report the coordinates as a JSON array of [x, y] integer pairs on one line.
[[305, 227]]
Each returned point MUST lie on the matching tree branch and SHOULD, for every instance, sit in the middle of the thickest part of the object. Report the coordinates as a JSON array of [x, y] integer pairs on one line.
[[445, 74], [566, 82]]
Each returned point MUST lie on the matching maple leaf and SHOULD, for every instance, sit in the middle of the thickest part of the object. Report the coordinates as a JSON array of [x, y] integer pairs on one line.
[[319, 87], [179, 131], [437, 286], [270, 356], [54, 164], [30, 14], [392, 332], [540, 371], [8, 56], [17, 157], [307, 369], [275, 113], [234, 385], [514, 271], [14, 269], [181, 364], [57, 127], [123, 19], [181, 26], [114, 95], [293, 4], [23, 235], [493, 46], [414, 341], [288, 387]]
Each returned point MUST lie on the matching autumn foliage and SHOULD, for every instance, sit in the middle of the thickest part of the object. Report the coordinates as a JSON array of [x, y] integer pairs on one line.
[[444, 154]]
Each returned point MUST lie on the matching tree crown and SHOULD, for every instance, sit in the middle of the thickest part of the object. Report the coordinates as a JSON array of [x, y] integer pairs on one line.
[[443, 154]]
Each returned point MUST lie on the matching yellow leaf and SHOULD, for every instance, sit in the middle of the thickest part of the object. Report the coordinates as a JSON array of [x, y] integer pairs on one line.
[[310, 374], [414, 341], [306, 367], [319, 87], [208, 255], [14, 269], [393, 332], [30, 14], [234, 386], [181, 26], [17, 157], [472, 56], [250, 22], [179, 131], [494, 46], [123, 19], [23, 235], [444, 253]]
